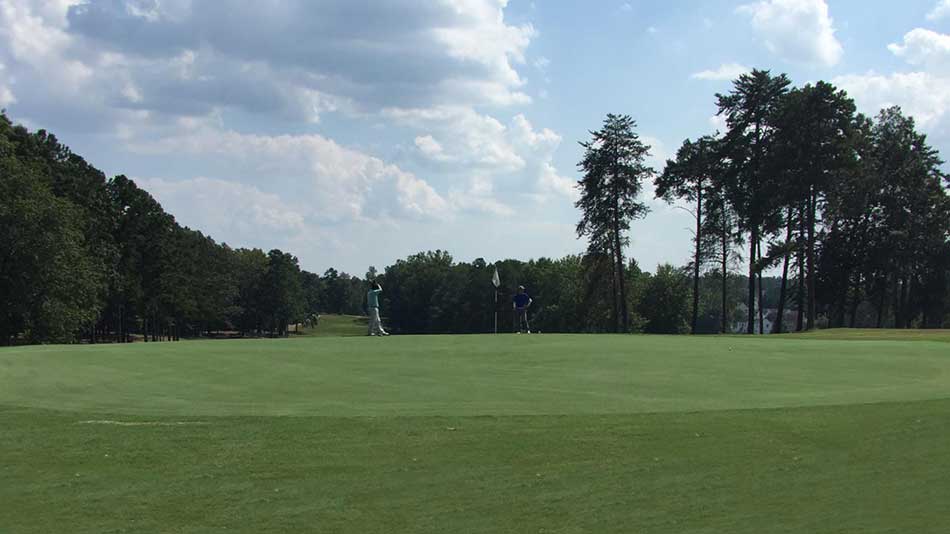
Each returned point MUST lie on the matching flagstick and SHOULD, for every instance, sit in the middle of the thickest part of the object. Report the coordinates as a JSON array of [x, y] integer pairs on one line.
[[496, 310], [495, 281]]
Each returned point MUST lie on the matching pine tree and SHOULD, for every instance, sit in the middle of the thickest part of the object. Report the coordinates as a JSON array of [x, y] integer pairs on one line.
[[689, 177], [614, 168], [750, 111]]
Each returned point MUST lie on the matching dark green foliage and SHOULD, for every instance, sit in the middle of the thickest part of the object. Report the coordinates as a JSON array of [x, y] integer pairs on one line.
[[431, 293], [50, 282], [338, 293], [665, 301], [281, 297], [885, 249], [814, 150], [83, 256], [852, 211]]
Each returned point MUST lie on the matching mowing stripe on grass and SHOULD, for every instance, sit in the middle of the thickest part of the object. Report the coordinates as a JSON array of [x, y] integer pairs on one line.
[[470, 375], [142, 423]]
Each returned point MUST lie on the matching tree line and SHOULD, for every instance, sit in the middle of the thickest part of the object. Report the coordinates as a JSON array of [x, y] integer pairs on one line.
[[97, 259], [86, 257], [852, 211], [431, 293]]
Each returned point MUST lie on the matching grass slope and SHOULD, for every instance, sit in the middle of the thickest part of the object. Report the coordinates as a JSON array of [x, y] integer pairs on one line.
[[336, 326], [477, 434]]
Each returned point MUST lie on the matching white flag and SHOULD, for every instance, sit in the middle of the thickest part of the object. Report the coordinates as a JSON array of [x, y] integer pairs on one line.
[[495, 280]]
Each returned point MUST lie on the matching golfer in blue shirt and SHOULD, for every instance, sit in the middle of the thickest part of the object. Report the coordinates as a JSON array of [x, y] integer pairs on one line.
[[520, 304]]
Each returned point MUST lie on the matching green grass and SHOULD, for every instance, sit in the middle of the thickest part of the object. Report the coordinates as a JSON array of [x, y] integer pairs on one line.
[[507, 433], [882, 334]]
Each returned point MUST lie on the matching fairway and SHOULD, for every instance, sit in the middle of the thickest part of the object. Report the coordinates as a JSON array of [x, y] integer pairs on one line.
[[541, 433]]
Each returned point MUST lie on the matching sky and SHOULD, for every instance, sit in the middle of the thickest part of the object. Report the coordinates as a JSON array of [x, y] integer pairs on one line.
[[354, 132]]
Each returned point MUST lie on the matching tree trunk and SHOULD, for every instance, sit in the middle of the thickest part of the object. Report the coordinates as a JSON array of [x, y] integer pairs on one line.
[[780, 315], [905, 304], [811, 259], [623, 285], [880, 305], [842, 304], [761, 300], [625, 321], [899, 296], [699, 220], [800, 296], [725, 267], [614, 292], [750, 319], [855, 302]]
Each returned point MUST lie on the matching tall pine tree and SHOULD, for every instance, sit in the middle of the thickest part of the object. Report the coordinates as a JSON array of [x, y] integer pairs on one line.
[[614, 168]]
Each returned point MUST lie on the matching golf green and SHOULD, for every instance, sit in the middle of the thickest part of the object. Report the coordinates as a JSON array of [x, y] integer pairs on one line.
[[540, 433]]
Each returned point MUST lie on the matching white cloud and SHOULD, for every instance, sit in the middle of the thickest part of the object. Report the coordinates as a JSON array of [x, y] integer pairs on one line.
[[523, 132], [538, 148], [465, 136], [132, 93], [417, 198], [725, 72], [225, 208], [796, 30], [487, 92], [318, 177], [658, 152], [550, 180], [479, 196], [718, 122], [922, 95], [33, 37], [924, 48], [626, 7], [184, 58], [486, 151], [941, 10], [6, 94], [486, 39], [431, 148]]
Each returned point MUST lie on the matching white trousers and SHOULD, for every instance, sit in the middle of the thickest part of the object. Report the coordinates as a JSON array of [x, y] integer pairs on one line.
[[375, 325]]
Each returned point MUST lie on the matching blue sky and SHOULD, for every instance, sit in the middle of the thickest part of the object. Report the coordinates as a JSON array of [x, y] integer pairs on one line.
[[353, 133]]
